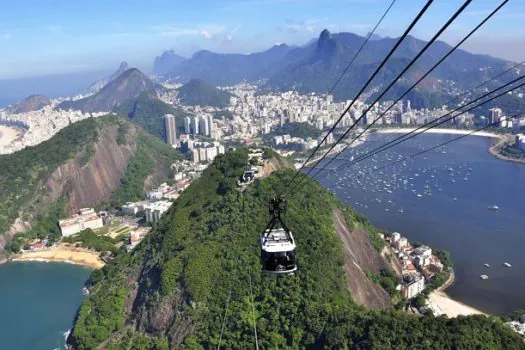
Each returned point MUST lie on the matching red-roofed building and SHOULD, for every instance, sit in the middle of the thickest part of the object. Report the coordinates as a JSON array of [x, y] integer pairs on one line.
[[38, 246]]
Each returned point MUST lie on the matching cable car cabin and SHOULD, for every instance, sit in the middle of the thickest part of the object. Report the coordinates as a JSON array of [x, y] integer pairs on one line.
[[278, 251]]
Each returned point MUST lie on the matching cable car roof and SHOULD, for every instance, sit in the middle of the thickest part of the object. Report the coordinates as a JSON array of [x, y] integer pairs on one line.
[[277, 241]]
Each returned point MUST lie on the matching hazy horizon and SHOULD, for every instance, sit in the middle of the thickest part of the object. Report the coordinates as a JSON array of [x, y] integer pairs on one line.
[[95, 36]]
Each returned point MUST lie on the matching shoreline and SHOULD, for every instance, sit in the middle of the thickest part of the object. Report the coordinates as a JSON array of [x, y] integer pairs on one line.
[[61, 255], [442, 304], [438, 131], [495, 149], [336, 149], [8, 134]]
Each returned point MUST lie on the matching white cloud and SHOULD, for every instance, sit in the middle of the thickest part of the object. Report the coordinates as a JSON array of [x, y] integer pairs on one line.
[[303, 26], [206, 31], [205, 34]]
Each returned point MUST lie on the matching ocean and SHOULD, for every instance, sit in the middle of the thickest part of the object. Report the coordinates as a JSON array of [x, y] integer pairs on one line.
[[38, 302], [441, 198]]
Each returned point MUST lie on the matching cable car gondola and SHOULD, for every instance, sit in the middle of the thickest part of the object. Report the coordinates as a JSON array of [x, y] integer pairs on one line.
[[277, 243]]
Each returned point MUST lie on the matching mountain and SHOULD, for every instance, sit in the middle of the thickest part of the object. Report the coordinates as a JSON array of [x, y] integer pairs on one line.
[[318, 67], [99, 84], [315, 67], [89, 163], [198, 92], [166, 62], [148, 113], [128, 85], [196, 279], [30, 103], [227, 69]]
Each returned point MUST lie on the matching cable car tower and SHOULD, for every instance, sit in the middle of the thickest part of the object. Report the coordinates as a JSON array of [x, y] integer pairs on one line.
[[277, 243]]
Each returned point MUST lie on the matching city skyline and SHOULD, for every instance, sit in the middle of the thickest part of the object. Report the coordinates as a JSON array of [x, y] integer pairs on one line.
[[98, 35]]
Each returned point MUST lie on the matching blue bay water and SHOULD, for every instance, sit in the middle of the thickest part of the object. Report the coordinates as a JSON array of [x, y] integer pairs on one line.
[[38, 302], [451, 212]]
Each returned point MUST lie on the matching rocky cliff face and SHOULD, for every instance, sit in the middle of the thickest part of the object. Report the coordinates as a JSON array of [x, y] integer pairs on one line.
[[89, 185], [361, 257]]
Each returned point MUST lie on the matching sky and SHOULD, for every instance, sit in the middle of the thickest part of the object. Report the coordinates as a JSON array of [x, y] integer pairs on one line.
[[62, 36]]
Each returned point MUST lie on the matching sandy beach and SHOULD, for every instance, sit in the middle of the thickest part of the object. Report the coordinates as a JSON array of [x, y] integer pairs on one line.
[[8, 134], [437, 131], [60, 254], [441, 303]]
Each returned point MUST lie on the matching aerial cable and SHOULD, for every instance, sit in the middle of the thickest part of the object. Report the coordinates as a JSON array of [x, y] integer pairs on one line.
[[443, 143], [410, 64], [367, 39], [361, 47], [253, 311], [413, 85], [448, 102], [378, 68], [401, 138], [224, 319]]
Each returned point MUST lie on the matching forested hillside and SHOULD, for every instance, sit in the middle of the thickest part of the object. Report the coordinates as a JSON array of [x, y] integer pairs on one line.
[[148, 112], [106, 159], [198, 266]]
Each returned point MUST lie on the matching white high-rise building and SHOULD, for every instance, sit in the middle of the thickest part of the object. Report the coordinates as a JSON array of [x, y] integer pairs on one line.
[[187, 125], [195, 125], [204, 126], [319, 123], [495, 115], [210, 124], [171, 129]]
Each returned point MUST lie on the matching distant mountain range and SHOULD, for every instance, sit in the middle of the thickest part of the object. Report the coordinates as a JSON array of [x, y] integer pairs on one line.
[[128, 85], [228, 69], [99, 84], [166, 62], [315, 66], [197, 92], [30, 103]]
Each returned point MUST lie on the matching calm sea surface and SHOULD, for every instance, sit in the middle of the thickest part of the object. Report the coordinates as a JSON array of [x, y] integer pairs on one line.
[[38, 302], [441, 198]]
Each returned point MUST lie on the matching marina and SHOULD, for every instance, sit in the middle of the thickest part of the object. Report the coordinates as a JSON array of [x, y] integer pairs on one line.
[[429, 199]]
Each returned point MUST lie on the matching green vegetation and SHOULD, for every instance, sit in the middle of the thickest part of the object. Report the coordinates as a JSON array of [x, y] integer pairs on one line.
[[198, 92], [303, 130], [149, 151], [513, 151], [386, 279], [226, 114], [43, 227], [23, 172], [148, 113], [206, 247], [442, 276], [91, 240]]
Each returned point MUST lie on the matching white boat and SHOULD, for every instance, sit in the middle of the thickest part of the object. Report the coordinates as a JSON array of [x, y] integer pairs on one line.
[[493, 207], [507, 264], [487, 265], [484, 277]]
